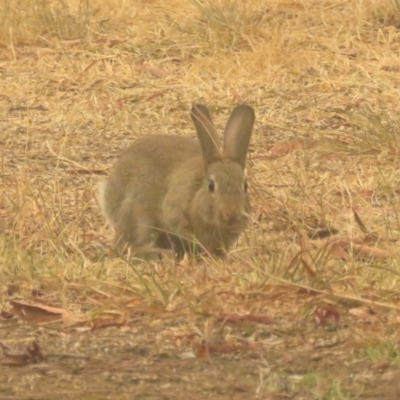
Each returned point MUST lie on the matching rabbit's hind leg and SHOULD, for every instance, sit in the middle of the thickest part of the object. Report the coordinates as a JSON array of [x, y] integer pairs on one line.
[[133, 227]]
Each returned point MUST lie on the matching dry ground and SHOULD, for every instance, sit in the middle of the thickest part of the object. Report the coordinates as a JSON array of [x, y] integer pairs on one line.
[[307, 306]]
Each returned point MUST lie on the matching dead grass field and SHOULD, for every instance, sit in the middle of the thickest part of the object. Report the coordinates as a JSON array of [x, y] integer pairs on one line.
[[307, 306]]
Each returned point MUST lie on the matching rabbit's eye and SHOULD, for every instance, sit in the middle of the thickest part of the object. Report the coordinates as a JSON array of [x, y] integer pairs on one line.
[[246, 186], [211, 186]]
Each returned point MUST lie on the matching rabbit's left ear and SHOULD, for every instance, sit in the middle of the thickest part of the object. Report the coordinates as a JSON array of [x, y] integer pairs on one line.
[[238, 132], [206, 133]]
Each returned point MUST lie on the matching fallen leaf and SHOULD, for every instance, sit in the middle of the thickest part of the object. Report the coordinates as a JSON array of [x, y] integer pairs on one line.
[[40, 314], [339, 250], [382, 366], [322, 314], [13, 288], [4, 213], [281, 149], [363, 314], [33, 355], [367, 194], [187, 355], [307, 267], [324, 233], [105, 323], [361, 251], [115, 42], [15, 360], [155, 95], [156, 72], [359, 222], [257, 318], [94, 62], [185, 262], [344, 248], [204, 350], [297, 260], [6, 315]]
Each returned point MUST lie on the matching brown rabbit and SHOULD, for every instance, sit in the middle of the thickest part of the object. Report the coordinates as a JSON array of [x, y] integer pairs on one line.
[[177, 191]]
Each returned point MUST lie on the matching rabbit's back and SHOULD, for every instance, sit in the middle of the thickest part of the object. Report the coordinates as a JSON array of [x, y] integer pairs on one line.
[[132, 196], [161, 153]]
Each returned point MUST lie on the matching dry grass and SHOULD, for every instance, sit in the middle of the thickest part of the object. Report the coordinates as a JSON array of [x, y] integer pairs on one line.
[[81, 79]]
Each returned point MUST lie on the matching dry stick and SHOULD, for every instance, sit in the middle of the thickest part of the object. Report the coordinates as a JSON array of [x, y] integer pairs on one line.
[[62, 158], [338, 295]]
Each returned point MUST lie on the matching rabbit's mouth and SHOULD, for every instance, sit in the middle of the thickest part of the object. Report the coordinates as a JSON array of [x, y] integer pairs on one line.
[[232, 220]]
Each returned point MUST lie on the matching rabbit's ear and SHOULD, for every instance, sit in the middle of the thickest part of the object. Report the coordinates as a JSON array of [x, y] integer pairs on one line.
[[206, 133], [238, 132]]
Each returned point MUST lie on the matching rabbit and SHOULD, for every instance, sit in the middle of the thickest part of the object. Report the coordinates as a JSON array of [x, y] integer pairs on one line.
[[181, 193]]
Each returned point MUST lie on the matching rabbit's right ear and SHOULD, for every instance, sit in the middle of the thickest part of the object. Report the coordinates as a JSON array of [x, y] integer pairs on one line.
[[206, 133], [238, 132]]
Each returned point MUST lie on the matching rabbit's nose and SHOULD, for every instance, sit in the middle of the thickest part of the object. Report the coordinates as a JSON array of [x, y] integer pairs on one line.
[[230, 217]]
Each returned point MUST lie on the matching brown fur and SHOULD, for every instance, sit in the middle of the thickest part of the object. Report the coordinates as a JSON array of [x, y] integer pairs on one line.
[[159, 189]]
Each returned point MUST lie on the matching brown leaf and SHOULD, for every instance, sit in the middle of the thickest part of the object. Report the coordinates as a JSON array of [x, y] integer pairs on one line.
[[39, 314], [115, 42], [299, 259], [120, 320], [363, 314], [367, 194], [155, 95], [257, 318], [105, 323], [322, 314], [156, 72], [185, 262], [362, 251], [13, 288], [204, 350], [359, 222], [6, 315], [339, 249], [324, 233], [382, 366], [15, 360], [33, 355], [86, 171], [280, 149], [343, 248], [94, 62], [307, 267], [4, 213]]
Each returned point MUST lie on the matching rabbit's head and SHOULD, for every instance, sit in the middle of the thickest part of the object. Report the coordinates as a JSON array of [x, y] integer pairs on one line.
[[222, 200]]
